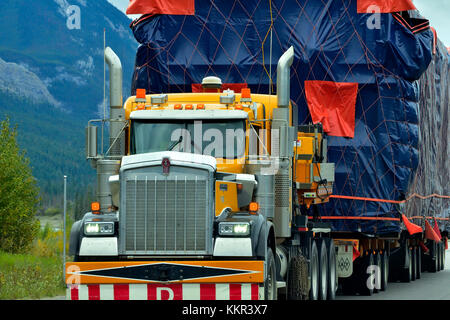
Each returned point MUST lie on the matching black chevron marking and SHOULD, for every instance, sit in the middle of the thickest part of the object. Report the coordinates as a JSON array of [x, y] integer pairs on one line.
[[164, 272]]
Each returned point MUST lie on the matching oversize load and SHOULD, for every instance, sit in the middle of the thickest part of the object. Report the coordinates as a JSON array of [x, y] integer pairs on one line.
[[164, 271]]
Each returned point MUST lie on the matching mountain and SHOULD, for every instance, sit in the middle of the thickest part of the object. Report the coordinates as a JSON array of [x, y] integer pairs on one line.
[[51, 79], [38, 36]]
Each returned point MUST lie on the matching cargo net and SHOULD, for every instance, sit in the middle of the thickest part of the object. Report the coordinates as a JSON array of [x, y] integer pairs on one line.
[[400, 145]]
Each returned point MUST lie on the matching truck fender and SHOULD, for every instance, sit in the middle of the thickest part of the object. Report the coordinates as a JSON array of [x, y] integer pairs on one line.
[[265, 236], [75, 237]]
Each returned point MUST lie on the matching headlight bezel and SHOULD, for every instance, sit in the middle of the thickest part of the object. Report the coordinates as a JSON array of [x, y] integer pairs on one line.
[[234, 229], [99, 228]]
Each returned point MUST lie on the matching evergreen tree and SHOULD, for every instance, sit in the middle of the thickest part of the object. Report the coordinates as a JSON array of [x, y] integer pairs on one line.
[[19, 194]]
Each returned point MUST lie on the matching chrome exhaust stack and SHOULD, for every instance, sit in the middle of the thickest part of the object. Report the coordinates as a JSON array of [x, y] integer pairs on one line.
[[116, 112], [283, 136], [284, 78], [108, 164]]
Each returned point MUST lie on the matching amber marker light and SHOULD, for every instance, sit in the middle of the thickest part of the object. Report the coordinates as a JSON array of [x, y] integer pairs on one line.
[[140, 94], [253, 207], [95, 207]]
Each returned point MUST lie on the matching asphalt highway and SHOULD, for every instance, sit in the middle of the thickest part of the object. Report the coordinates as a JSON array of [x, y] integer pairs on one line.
[[431, 286]]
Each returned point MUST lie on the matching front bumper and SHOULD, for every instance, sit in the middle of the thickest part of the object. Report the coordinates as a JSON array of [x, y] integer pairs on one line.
[[165, 280], [177, 291]]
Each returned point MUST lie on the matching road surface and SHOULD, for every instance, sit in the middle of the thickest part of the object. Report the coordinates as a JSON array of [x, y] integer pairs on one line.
[[431, 286]]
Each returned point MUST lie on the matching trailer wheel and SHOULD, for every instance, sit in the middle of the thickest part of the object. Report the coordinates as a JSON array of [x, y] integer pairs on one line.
[[270, 283], [378, 263], [438, 256], [323, 269], [332, 274], [298, 286], [364, 288], [384, 270], [406, 270], [441, 256], [413, 263], [314, 272], [433, 258], [418, 262]]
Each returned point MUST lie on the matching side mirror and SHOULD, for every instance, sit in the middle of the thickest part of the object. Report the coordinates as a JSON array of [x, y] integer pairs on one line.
[[114, 186]]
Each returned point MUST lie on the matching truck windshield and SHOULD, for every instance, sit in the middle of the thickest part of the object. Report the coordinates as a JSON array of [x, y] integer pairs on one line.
[[217, 138]]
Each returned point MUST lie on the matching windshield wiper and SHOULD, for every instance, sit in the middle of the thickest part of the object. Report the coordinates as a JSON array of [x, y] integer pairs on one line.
[[173, 145]]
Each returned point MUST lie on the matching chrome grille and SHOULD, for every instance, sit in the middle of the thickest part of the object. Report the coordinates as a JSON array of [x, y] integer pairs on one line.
[[167, 214]]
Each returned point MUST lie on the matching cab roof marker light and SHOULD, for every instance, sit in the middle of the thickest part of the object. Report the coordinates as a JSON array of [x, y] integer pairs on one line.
[[246, 95], [159, 99], [140, 95]]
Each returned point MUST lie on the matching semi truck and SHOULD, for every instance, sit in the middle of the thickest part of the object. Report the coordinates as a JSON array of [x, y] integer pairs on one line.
[[215, 196]]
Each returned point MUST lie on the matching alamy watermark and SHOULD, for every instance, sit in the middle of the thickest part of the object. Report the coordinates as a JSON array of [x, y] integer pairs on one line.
[[73, 21], [374, 20], [374, 279]]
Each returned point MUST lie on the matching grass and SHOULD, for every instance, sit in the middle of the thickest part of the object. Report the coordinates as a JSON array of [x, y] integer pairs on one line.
[[36, 274]]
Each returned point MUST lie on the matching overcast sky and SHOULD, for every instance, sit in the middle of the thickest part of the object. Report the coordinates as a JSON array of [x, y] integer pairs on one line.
[[437, 11]]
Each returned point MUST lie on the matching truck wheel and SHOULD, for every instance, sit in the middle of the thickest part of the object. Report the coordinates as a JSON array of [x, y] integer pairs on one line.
[[406, 269], [332, 274], [297, 286], [323, 269], [377, 261], [433, 258], [384, 270], [438, 256], [441, 256], [364, 289], [413, 263], [314, 272], [270, 283], [418, 262]]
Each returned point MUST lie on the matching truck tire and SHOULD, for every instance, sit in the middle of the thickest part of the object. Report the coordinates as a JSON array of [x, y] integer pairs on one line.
[[297, 284], [323, 270], [406, 269], [433, 260], [332, 273], [441, 256], [314, 272], [377, 261], [413, 263], [419, 262], [384, 270], [438, 255], [367, 261], [270, 283]]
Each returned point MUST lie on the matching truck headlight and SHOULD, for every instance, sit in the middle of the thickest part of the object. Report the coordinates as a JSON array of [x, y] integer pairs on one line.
[[99, 228], [234, 228]]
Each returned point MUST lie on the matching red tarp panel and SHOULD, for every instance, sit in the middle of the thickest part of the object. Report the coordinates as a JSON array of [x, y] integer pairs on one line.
[[411, 227], [178, 7], [384, 6], [332, 104], [436, 229], [236, 87], [429, 232]]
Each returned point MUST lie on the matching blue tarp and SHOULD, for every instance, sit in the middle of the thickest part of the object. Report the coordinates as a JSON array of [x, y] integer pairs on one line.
[[332, 42]]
